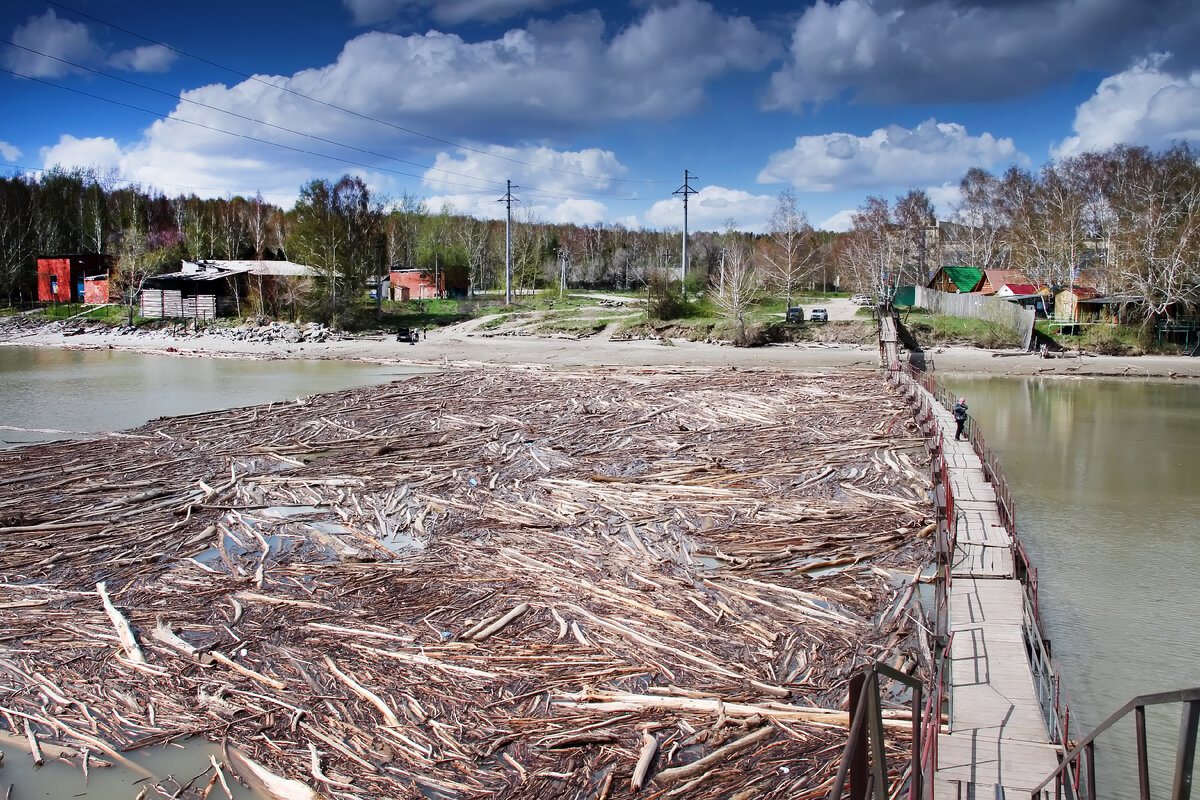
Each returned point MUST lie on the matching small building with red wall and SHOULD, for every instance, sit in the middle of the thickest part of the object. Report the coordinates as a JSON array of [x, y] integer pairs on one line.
[[418, 284], [95, 289], [63, 279]]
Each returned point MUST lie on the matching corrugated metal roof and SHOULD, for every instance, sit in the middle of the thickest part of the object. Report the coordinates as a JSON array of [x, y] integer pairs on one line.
[[257, 267]]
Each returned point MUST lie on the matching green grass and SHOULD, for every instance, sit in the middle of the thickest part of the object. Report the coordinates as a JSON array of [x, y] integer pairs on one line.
[[1106, 339], [930, 329], [577, 326], [109, 315]]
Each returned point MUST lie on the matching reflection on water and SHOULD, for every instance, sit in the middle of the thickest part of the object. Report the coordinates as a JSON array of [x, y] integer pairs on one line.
[[45, 389], [1104, 477]]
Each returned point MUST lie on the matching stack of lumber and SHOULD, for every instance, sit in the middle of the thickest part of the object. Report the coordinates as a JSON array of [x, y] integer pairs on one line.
[[476, 583]]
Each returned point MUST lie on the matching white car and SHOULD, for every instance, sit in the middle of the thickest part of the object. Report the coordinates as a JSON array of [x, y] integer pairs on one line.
[[861, 300]]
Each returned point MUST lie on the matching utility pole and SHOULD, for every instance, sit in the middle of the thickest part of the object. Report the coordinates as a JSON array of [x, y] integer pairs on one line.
[[378, 280], [684, 190], [508, 200], [562, 278]]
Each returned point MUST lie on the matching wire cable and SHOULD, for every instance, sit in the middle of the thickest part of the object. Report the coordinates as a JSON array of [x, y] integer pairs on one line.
[[343, 109]]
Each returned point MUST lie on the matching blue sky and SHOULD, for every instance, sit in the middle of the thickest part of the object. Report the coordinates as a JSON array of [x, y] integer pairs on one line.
[[593, 109]]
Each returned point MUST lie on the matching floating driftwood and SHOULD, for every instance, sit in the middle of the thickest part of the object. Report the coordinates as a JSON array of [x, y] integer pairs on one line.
[[476, 583]]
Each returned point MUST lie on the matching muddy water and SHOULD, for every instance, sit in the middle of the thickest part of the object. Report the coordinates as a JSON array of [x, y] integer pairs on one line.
[[47, 393], [1104, 475], [172, 766]]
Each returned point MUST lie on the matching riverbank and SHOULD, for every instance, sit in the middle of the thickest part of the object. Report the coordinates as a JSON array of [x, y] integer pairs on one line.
[[468, 342]]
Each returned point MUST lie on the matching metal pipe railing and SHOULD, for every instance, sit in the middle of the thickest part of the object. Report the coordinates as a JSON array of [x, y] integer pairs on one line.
[[1079, 766], [866, 738]]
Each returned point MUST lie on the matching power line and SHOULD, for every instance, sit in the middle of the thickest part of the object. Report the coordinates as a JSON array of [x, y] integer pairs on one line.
[[248, 137], [236, 115], [336, 107], [285, 129]]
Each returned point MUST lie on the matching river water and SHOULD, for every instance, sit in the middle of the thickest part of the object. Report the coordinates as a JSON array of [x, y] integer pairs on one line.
[[1107, 492], [47, 393]]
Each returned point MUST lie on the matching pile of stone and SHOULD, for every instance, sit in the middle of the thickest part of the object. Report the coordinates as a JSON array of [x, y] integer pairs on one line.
[[275, 331]]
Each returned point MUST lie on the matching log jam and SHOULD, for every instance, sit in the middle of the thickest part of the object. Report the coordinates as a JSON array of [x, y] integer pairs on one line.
[[483, 582]]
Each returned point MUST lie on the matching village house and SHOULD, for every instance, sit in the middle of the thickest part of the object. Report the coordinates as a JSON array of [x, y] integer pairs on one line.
[[956, 280], [995, 279], [1027, 295]]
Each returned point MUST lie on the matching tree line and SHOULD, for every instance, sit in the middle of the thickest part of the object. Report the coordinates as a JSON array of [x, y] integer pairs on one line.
[[1126, 220], [344, 231]]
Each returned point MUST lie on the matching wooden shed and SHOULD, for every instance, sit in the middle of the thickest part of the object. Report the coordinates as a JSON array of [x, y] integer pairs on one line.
[[198, 291], [1069, 305]]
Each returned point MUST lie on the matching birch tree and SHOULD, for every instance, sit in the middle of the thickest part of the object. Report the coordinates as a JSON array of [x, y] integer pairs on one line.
[[1156, 242], [18, 236], [737, 286], [869, 253], [792, 250]]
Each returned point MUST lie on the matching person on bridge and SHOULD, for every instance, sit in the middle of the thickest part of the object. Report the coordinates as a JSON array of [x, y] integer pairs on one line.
[[960, 417]]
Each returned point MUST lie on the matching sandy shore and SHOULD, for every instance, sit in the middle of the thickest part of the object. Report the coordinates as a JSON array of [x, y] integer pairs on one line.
[[464, 343]]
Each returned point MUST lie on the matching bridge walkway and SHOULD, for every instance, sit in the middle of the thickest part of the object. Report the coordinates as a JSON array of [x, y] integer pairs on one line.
[[997, 733]]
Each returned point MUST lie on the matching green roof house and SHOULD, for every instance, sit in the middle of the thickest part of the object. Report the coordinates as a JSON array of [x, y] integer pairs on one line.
[[957, 279]]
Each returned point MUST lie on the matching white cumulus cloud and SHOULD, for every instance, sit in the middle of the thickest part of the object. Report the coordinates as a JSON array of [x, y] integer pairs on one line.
[[549, 184], [1144, 105], [151, 58], [538, 83], [9, 152], [930, 153], [712, 207], [898, 51], [840, 222], [42, 40], [99, 152]]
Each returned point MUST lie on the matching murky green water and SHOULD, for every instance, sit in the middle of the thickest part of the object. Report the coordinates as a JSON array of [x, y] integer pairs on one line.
[[46, 393], [1107, 487]]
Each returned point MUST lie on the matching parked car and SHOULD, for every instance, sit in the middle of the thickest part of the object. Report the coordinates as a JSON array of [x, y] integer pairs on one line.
[[819, 315], [861, 300], [795, 315]]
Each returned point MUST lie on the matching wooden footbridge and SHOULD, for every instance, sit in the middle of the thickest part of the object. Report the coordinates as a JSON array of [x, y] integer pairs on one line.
[[996, 677], [998, 734]]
